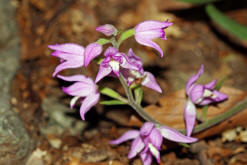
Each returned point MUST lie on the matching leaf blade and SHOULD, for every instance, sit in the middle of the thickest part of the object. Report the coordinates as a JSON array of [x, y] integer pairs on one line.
[[235, 28], [112, 102]]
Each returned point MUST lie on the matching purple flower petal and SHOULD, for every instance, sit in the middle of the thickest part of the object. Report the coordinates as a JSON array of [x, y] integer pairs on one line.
[[148, 42], [211, 85], [132, 134], [152, 34], [136, 147], [69, 56], [107, 29], [68, 48], [206, 101], [103, 71], [196, 93], [88, 103], [79, 89], [65, 65], [146, 158], [193, 79], [176, 136], [110, 51], [150, 25], [132, 55], [190, 117], [135, 60], [219, 96], [156, 138], [150, 82], [91, 51], [78, 77], [146, 128], [126, 63]]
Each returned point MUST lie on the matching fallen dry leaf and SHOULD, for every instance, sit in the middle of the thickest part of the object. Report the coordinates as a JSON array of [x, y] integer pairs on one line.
[[170, 111]]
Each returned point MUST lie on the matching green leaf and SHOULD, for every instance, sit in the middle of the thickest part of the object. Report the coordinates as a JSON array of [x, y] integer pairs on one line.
[[235, 28], [184, 145], [112, 102], [204, 113], [199, 1], [109, 92], [103, 41], [125, 35], [220, 83], [138, 94]]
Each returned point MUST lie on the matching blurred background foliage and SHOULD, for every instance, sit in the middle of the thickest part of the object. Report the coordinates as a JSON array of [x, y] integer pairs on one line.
[[222, 20]]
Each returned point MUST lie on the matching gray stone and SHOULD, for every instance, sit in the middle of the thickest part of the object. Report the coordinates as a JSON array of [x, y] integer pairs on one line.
[[14, 140], [58, 119]]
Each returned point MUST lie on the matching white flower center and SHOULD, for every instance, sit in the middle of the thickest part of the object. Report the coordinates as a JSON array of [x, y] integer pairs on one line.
[[208, 93], [114, 65], [136, 74], [154, 150]]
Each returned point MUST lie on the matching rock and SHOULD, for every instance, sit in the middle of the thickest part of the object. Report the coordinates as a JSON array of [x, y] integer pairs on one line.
[[14, 139], [59, 120]]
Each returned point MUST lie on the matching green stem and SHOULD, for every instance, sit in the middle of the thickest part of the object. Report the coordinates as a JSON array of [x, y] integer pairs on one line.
[[238, 108], [114, 43], [133, 103]]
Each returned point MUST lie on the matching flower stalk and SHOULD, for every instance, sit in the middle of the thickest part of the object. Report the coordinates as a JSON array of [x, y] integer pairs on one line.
[[133, 103]]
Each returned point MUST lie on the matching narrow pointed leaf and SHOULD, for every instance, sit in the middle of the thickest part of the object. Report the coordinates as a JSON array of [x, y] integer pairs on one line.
[[220, 83], [184, 145], [112, 102], [235, 28], [103, 41], [125, 35], [109, 92]]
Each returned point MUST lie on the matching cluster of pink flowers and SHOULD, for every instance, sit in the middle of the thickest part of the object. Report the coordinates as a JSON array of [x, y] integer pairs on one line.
[[147, 142], [114, 62]]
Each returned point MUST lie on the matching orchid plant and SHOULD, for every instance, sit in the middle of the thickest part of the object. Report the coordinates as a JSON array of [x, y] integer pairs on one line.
[[128, 68]]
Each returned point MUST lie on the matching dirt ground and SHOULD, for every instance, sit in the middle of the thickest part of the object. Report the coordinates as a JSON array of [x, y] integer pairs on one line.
[[60, 137]]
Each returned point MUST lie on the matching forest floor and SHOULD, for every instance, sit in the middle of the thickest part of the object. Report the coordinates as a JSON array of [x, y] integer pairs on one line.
[[60, 137]]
